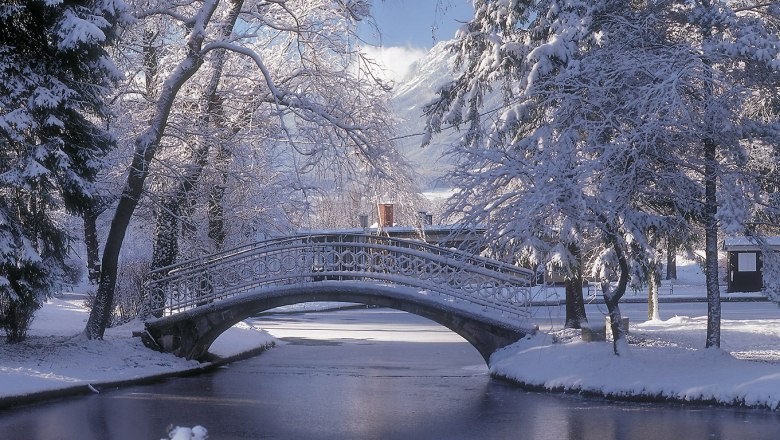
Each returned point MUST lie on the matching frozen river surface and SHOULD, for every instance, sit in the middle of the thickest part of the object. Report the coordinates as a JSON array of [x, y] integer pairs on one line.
[[368, 374]]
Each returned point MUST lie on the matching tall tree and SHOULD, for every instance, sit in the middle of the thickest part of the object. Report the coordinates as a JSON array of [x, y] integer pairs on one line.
[[175, 202], [737, 56], [287, 48], [55, 75], [671, 259], [619, 120]]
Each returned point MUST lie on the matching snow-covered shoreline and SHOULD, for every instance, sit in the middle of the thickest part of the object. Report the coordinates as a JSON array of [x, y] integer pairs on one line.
[[57, 361], [663, 364]]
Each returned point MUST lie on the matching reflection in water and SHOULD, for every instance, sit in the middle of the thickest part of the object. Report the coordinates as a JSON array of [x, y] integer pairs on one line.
[[373, 408]]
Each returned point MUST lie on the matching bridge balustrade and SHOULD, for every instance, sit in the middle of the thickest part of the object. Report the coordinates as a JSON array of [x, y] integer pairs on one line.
[[454, 275]]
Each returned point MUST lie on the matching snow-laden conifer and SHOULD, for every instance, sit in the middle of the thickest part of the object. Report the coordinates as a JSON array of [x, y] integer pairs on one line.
[[54, 77]]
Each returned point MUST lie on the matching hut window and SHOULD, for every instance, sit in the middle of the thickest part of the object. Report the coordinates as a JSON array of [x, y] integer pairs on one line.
[[746, 262]]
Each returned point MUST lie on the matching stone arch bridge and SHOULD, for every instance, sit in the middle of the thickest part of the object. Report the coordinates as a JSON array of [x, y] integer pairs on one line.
[[193, 302]]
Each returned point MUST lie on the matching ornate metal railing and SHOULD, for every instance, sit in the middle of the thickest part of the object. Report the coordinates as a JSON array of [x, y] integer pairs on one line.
[[457, 276]]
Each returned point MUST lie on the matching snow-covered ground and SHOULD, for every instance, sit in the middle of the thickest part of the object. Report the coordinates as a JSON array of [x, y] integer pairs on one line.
[[56, 356], [666, 359]]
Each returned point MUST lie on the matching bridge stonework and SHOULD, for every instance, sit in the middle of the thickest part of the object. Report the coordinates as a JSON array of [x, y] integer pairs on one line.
[[481, 300]]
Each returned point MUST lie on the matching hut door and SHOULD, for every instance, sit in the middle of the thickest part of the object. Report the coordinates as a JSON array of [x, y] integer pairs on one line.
[[745, 272]]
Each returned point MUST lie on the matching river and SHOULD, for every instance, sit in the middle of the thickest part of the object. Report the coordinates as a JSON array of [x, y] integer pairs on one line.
[[369, 374]]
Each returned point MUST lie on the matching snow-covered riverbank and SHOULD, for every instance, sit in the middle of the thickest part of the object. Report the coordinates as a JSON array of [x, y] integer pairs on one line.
[[666, 362], [56, 358]]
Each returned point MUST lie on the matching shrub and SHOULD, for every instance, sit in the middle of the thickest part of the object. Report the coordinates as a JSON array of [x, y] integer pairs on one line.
[[128, 296], [16, 315]]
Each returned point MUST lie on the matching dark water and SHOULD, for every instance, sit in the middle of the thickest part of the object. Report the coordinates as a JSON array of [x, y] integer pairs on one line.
[[371, 387]]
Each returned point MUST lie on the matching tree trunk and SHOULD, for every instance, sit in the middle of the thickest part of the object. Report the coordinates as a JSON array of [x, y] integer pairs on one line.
[[216, 210], [612, 298], [575, 305], [653, 281], [216, 217], [166, 243], [100, 313], [671, 259], [145, 148], [90, 216], [711, 244], [653, 284], [164, 253]]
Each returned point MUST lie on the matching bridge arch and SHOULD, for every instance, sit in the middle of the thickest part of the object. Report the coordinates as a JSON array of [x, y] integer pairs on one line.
[[483, 300], [190, 333]]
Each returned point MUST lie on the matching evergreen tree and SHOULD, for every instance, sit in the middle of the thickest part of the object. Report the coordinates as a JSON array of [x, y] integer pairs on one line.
[[54, 76]]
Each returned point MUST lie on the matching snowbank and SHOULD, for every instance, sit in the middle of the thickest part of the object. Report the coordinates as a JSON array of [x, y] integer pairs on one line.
[[56, 357], [661, 365]]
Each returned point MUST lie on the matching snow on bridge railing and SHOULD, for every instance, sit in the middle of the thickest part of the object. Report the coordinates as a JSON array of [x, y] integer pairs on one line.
[[458, 275]]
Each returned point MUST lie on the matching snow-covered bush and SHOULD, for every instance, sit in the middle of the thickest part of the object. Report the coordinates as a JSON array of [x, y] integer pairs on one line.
[[128, 299], [197, 432], [16, 314]]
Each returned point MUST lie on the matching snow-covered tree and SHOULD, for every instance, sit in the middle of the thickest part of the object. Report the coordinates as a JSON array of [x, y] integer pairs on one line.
[[236, 121], [209, 107], [54, 77], [731, 60], [620, 121], [295, 73]]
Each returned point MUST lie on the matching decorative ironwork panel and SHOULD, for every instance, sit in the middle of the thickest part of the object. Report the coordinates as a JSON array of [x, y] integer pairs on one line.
[[459, 276]]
